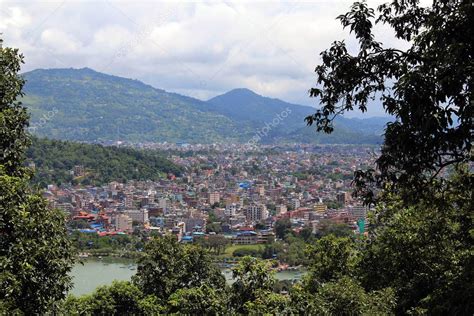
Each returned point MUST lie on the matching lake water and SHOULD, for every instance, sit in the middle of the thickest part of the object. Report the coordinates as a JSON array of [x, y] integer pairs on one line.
[[93, 273]]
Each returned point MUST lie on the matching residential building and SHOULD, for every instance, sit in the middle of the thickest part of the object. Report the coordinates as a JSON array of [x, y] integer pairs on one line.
[[123, 223], [214, 197], [256, 212], [140, 216], [295, 203], [281, 209]]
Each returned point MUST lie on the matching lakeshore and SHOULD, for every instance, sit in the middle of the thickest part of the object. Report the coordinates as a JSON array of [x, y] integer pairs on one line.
[[94, 272]]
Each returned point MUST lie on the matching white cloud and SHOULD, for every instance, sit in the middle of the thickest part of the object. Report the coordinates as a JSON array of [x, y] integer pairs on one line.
[[200, 49], [59, 41]]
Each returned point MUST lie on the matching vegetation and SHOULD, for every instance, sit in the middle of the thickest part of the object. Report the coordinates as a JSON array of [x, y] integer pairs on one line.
[[216, 244], [167, 267], [85, 105], [55, 160], [120, 245], [120, 298], [35, 253], [420, 246], [417, 258], [282, 227], [428, 93]]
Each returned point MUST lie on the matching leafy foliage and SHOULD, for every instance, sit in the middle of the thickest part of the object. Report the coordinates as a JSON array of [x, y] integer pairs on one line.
[[215, 243], [427, 88], [120, 298], [331, 258], [35, 253], [203, 300], [252, 276], [346, 297], [420, 243], [168, 266], [424, 251], [282, 227], [54, 161]]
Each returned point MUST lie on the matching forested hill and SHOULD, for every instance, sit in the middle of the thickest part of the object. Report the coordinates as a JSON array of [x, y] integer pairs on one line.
[[86, 105], [54, 160]]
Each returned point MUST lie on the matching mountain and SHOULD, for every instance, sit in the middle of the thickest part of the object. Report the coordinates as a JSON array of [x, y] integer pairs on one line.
[[85, 105], [55, 159], [244, 105]]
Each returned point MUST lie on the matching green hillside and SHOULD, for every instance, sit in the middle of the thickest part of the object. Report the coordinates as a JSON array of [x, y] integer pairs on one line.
[[85, 105], [245, 106], [55, 160]]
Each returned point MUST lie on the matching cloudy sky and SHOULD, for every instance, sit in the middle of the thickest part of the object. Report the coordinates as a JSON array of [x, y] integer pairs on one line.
[[197, 49]]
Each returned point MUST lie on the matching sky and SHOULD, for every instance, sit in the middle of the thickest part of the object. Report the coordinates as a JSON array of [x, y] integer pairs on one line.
[[199, 49]]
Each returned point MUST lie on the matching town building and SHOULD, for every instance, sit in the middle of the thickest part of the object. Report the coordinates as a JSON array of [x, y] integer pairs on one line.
[[214, 197], [123, 223], [139, 216], [256, 212]]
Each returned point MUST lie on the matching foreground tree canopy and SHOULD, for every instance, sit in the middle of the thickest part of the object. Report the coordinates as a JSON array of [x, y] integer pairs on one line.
[[35, 253], [420, 241], [427, 88]]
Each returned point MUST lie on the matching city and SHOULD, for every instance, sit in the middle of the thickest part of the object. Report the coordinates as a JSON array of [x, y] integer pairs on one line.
[[242, 188], [236, 158]]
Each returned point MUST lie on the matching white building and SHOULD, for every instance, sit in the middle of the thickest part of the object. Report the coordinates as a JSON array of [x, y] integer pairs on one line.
[[123, 223], [214, 197], [358, 212], [163, 203], [281, 209], [295, 203], [140, 216], [231, 209]]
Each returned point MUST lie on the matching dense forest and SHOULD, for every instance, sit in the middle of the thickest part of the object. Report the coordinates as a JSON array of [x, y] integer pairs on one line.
[[54, 161]]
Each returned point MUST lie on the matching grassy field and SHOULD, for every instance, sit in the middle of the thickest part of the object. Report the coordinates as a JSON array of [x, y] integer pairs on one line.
[[230, 250]]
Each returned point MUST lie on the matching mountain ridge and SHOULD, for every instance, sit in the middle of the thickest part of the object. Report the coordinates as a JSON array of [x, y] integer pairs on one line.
[[93, 106]]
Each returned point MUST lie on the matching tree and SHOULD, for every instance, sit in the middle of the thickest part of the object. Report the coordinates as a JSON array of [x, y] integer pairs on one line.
[[282, 227], [420, 241], [427, 88], [167, 266], [268, 303], [347, 297], [217, 243], [35, 253], [424, 252], [119, 298], [331, 258], [293, 251], [215, 227], [203, 300], [339, 230], [252, 276], [306, 233]]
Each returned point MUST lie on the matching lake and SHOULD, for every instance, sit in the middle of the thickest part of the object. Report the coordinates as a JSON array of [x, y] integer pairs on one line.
[[93, 273]]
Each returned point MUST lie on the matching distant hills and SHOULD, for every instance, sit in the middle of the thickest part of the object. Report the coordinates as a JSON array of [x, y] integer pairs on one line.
[[85, 105]]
